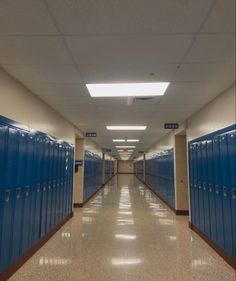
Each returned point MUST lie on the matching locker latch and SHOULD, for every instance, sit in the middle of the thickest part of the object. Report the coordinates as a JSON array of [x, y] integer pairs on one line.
[[18, 193], [26, 191], [217, 189], [38, 188], [7, 195], [204, 186], [234, 193], [210, 188], [49, 187], [225, 191], [44, 187]]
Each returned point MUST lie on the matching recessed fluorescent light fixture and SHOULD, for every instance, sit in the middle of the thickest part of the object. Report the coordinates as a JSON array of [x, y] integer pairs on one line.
[[127, 89], [126, 128], [125, 146], [132, 140], [124, 150], [121, 140]]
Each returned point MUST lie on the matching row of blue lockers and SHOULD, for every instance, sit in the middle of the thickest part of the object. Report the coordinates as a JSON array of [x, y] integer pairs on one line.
[[35, 188], [212, 177], [159, 174], [93, 173]]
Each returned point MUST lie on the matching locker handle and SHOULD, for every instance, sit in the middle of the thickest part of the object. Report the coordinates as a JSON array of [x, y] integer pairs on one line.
[[210, 188], [26, 191], [225, 191], [234, 193], [44, 187], [204, 186], [38, 188], [217, 189], [7, 195], [49, 187], [18, 193]]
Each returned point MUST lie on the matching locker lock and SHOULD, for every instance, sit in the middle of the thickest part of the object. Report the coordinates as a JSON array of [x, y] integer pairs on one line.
[[225, 191], [234, 193], [217, 189], [7, 195], [18, 193], [26, 191]]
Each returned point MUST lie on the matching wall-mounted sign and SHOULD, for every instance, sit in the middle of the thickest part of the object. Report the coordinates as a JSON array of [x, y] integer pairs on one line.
[[91, 134], [171, 126]]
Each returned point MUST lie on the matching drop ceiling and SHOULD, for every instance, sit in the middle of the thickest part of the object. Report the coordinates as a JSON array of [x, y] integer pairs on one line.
[[54, 47]]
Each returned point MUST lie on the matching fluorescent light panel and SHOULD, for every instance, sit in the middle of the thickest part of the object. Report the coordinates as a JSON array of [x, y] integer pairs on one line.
[[122, 150], [126, 128], [127, 89], [123, 140], [125, 146]]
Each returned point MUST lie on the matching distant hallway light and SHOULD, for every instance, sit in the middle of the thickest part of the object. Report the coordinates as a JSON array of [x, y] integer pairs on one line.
[[126, 128], [127, 89]]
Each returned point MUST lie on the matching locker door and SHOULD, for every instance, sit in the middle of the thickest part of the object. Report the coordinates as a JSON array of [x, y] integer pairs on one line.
[[27, 194], [211, 190], [46, 146], [218, 192], [224, 166], [232, 184], [7, 199], [195, 185], [18, 197], [205, 189], [38, 186], [3, 149], [49, 191], [191, 183], [60, 182], [200, 187]]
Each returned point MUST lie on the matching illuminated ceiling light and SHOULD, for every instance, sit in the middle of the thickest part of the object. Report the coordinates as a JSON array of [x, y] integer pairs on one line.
[[126, 128], [124, 150], [127, 89], [125, 236], [132, 140], [125, 146], [125, 261], [121, 140]]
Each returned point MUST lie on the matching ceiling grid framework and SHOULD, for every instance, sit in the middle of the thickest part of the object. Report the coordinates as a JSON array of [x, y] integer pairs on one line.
[[58, 46]]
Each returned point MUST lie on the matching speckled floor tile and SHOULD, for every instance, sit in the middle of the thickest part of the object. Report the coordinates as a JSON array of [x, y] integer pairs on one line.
[[125, 233]]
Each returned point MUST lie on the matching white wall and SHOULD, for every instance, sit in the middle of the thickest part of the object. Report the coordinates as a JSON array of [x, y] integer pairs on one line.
[[19, 104], [216, 115]]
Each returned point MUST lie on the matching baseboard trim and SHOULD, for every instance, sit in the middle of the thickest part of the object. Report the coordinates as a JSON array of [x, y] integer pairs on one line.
[[23, 259], [177, 212], [81, 205], [230, 260]]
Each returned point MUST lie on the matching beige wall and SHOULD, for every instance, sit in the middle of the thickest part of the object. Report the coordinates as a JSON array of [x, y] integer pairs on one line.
[[181, 177], [125, 166], [216, 115], [79, 176], [19, 104]]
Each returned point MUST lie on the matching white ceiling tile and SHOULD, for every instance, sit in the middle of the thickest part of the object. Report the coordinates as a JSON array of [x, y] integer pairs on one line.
[[213, 48], [45, 73], [133, 16], [57, 89], [104, 73], [128, 49], [25, 17], [221, 18], [33, 50], [206, 72]]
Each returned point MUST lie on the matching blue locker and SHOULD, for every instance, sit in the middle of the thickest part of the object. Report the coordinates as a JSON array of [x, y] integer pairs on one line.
[[190, 161], [205, 190], [211, 190], [8, 198], [38, 183], [218, 192], [3, 149], [49, 191], [232, 184], [46, 164], [200, 188], [27, 195], [224, 166], [195, 185], [17, 230]]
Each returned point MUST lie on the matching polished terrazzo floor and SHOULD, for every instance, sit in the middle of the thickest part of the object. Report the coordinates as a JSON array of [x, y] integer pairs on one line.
[[125, 233]]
